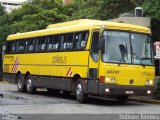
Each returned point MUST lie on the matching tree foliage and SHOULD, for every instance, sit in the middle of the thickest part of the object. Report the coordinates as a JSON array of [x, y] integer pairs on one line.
[[152, 9], [37, 14], [101, 9], [2, 10]]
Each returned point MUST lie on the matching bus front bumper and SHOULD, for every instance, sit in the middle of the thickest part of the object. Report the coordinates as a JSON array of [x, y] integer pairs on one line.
[[114, 89]]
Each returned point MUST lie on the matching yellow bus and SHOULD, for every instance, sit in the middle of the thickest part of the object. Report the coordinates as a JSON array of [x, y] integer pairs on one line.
[[85, 57]]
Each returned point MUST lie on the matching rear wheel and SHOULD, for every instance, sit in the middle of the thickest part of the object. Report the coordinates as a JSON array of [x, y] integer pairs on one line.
[[80, 95], [20, 83], [122, 99], [29, 85]]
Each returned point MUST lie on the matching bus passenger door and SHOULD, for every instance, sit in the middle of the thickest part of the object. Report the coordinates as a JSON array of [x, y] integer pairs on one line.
[[94, 63]]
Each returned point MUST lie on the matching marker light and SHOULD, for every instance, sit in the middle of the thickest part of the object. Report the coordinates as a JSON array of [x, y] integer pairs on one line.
[[106, 90], [148, 92], [102, 79]]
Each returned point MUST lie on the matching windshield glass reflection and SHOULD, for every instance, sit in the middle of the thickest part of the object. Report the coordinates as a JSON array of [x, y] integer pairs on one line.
[[141, 49], [125, 47]]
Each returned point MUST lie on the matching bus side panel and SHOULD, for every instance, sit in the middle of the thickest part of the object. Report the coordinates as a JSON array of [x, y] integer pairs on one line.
[[52, 69]]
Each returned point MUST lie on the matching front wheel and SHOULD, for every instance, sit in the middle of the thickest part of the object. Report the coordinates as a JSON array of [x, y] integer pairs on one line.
[[29, 85], [80, 95]]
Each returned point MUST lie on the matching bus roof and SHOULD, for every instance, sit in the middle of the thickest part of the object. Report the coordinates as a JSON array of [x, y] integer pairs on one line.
[[79, 25]]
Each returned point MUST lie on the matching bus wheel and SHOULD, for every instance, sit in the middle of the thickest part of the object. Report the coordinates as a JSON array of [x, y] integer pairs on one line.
[[122, 99], [80, 95], [29, 85], [20, 83]]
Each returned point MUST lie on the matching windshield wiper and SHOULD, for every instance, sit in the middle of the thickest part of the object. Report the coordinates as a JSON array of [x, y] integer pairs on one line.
[[142, 59], [135, 56]]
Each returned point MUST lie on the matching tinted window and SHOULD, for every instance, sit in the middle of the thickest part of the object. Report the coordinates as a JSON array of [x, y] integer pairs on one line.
[[63, 41], [94, 47], [30, 45], [81, 40], [41, 43], [8, 47], [13, 46], [69, 42], [20, 46], [53, 42]]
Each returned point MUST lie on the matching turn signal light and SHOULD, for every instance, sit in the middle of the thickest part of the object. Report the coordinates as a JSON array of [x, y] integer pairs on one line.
[[102, 79]]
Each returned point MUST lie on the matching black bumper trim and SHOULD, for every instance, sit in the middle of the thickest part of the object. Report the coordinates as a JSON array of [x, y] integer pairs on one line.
[[115, 89]]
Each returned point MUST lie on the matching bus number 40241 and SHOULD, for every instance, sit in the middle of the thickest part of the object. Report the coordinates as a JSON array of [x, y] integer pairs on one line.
[[113, 72]]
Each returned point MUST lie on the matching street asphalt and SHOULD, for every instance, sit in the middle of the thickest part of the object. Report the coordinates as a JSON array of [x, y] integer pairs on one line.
[[44, 104]]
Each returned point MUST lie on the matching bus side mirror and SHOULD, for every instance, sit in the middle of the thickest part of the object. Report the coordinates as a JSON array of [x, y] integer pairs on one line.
[[154, 48], [101, 43]]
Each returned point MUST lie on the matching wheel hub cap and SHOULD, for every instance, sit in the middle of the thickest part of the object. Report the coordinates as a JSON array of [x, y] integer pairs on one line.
[[29, 84], [79, 89]]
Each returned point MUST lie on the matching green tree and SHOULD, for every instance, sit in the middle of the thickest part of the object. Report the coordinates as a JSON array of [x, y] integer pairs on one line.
[[2, 10], [152, 9], [34, 15], [102, 9]]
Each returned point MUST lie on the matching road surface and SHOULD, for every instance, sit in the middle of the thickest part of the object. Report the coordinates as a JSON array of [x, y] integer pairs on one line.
[[13, 102]]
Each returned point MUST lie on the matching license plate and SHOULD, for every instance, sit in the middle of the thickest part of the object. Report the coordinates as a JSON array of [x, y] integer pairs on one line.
[[129, 92]]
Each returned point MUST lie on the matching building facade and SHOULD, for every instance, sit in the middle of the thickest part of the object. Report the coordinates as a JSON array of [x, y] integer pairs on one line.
[[67, 1], [11, 4]]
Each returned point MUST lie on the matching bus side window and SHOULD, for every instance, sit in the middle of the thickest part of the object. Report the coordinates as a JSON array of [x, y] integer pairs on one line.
[[56, 42], [69, 42], [13, 48], [94, 46], [77, 40], [81, 40], [30, 44], [84, 40], [63, 41], [8, 47], [41, 43], [50, 42], [21, 46]]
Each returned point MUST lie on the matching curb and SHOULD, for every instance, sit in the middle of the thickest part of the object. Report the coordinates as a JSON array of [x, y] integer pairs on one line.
[[3, 82], [144, 100]]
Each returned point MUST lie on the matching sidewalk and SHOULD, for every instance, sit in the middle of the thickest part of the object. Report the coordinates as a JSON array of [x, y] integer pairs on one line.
[[145, 99], [3, 82]]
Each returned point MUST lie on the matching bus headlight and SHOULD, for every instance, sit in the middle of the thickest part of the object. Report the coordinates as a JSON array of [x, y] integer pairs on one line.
[[110, 80], [107, 80], [113, 80], [149, 82]]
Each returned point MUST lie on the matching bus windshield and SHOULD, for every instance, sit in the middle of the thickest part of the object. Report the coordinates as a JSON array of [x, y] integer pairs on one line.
[[125, 47]]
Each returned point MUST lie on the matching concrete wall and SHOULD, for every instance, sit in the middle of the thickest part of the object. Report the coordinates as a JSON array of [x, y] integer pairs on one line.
[[142, 21]]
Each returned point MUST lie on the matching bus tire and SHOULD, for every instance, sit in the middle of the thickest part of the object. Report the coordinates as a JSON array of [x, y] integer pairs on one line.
[[122, 99], [29, 85], [20, 83], [80, 95]]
